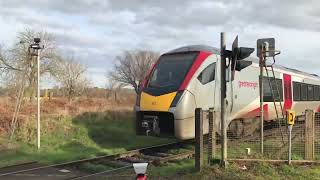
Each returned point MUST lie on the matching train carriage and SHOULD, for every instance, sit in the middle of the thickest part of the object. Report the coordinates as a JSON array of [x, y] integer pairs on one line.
[[188, 78]]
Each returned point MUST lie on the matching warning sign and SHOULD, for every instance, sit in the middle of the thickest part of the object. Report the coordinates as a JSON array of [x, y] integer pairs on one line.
[[290, 117]]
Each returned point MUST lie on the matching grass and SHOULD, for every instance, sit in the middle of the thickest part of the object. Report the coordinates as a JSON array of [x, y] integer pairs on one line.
[[90, 134], [87, 135], [254, 170]]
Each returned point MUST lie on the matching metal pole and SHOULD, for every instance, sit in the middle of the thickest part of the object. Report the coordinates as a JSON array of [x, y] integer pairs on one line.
[[289, 139], [38, 99], [261, 64], [222, 102]]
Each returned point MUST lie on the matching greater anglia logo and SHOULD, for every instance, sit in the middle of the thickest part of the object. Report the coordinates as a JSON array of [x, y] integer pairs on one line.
[[246, 84]]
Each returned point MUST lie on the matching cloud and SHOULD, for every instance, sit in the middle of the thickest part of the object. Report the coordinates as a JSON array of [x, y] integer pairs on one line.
[[95, 31]]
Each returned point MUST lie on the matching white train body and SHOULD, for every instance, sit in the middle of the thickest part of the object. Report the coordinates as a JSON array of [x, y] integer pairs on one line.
[[168, 109]]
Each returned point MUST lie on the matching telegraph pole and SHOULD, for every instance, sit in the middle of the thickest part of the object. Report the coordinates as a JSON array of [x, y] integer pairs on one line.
[[222, 98]]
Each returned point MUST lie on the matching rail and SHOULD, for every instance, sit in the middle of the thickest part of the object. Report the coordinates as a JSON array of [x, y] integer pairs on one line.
[[115, 157]]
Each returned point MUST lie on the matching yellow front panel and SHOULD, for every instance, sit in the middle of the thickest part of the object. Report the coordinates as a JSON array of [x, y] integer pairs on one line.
[[156, 103]]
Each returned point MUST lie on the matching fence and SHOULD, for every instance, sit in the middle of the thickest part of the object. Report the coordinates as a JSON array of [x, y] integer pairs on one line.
[[305, 138]]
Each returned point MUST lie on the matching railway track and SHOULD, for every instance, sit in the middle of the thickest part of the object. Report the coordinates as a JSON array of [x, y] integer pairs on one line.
[[155, 155]]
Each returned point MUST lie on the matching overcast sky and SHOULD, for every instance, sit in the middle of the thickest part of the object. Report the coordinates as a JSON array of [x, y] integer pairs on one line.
[[95, 31]]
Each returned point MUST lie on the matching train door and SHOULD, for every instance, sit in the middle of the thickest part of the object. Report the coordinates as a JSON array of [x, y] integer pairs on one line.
[[206, 88], [206, 92]]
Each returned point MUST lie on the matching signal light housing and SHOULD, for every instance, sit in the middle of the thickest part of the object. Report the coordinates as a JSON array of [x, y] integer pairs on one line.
[[244, 52]]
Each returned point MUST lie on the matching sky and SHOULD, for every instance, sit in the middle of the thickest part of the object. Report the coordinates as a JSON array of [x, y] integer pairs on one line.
[[96, 31]]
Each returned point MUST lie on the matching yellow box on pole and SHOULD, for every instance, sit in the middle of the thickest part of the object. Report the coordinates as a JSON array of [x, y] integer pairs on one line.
[[290, 117]]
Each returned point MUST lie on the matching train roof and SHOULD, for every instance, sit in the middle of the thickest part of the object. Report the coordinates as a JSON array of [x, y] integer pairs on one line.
[[277, 66], [196, 48], [215, 50]]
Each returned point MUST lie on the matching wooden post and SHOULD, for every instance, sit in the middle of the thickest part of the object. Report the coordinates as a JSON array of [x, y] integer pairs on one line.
[[309, 135], [212, 139], [199, 139]]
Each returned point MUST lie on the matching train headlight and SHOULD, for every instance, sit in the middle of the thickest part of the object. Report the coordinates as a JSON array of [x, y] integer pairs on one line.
[[176, 99]]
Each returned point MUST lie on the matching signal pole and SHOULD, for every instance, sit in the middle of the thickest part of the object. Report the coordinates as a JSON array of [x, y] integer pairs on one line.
[[38, 99], [36, 47], [265, 48], [237, 53], [222, 100], [261, 64]]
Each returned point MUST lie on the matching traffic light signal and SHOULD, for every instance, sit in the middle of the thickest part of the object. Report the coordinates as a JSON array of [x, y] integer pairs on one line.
[[237, 54]]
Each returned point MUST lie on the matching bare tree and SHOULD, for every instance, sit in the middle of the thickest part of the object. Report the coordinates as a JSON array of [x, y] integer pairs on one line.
[[17, 60], [132, 66], [71, 76]]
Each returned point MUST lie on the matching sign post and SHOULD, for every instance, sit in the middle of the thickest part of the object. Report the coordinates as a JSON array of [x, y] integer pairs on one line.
[[290, 121]]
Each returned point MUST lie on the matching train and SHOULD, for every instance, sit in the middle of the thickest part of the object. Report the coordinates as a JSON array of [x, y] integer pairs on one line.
[[188, 77]]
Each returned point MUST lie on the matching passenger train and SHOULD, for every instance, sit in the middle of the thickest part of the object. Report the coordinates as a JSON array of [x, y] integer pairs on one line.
[[188, 77]]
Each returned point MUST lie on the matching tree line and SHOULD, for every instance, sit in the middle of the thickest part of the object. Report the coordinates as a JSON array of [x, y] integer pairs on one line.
[[18, 69]]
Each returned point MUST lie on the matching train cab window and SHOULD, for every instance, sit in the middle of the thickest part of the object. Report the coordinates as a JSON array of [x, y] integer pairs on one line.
[[316, 93], [310, 93], [170, 72], [270, 93], [296, 91], [304, 92], [208, 74]]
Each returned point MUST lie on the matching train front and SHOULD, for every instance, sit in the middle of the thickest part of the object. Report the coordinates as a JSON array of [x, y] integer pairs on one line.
[[164, 106]]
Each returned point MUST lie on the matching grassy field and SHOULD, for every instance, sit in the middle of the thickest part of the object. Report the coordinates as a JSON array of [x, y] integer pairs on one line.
[[86, 135]]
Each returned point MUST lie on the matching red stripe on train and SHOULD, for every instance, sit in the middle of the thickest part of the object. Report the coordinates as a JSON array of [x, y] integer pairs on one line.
[[287, 92], [201, 57], [256, 112], [147, 77]]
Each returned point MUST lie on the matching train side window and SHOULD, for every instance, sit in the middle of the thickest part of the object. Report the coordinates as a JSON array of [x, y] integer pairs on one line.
[[268, 92], [296, 91], [310, 92], [304, 92], [208, 74], [316, 93]]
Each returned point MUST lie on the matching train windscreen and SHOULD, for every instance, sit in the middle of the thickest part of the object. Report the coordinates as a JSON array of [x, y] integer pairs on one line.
[[170, 72]]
